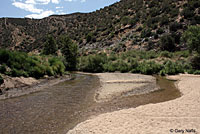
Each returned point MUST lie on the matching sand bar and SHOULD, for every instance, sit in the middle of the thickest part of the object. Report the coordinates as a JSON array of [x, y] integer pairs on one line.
[[181, 115], [116, 84]]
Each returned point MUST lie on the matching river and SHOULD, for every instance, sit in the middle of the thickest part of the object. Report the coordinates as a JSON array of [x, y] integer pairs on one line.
[[58, 109]]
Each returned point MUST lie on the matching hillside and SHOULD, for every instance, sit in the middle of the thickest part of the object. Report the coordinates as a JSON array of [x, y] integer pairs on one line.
[[128, 24]]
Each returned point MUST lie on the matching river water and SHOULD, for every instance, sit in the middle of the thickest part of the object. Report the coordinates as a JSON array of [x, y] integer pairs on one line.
[[58, 109]]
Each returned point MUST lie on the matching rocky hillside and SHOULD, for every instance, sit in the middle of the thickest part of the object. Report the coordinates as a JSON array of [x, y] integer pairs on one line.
[[125, 25]]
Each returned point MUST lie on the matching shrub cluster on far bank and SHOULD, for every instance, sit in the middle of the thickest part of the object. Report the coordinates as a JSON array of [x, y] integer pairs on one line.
[[22, 64], [144, 62]]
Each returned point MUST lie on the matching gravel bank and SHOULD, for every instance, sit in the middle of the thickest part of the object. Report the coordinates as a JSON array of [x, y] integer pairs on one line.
[[181, 115]]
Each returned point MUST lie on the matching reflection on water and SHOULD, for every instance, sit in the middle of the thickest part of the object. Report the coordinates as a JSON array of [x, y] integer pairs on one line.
[[61, 107]]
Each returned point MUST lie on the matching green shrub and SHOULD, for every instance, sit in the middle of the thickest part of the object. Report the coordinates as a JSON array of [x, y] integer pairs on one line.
[[92, 63], [21, 64], [139, 29], [18, 73], [56, 65], [89, 37], [37, 71], [174, 12], [112, 57], [122, 66], [145, 33], [1, 80], [133, 63], [187, 13], [184, 54], [4, 56], [192, 38], [164, 21], [195, 62], [3, 68], [166, 54], [159, 31], [149, 67], [197, 72], [50, 46], [172, 68], [175, 26], [110, 67], [167, 43], [125, 20]]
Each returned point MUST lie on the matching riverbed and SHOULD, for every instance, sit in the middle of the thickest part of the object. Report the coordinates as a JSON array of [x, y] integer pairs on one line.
[[59, 108]]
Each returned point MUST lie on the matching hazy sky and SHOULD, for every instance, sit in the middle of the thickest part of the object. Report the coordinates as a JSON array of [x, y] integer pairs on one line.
[[44, 8]]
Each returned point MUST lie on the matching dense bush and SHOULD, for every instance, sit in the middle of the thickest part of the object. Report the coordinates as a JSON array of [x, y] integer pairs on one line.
[[171, 68], [89, 37], [56, 66], [21, 64], [159, 31], [1, 80], [166, 54], [145, 33], [92, 63], [110, 67], [195, 62], [192, 38], [50, 46], [164, 21], [167, 43], [144, 62], [125, 20], [149, 67], [3, 68], [187, 13], [175, 26]]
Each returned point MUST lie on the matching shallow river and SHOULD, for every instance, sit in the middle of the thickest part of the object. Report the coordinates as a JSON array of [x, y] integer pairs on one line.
[[57, 109]]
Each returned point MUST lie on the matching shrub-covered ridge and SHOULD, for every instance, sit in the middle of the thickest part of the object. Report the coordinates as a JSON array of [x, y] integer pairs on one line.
[[127, 24]]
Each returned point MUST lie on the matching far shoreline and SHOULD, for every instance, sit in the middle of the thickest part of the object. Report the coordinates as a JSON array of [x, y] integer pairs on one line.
[[37, 86]]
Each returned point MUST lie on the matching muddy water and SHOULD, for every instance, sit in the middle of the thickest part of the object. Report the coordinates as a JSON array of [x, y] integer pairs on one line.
[[61, 107]]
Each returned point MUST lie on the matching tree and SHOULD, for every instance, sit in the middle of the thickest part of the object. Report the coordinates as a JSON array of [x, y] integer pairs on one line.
[[167, 43], [192, 38], [50, 46], [70, 51]]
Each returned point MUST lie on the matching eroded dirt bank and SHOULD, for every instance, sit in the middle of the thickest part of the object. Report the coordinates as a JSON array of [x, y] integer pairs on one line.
[[181, 115]]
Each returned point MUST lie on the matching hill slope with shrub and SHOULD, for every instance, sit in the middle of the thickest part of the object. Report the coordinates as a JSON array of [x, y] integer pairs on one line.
[[128, 24]]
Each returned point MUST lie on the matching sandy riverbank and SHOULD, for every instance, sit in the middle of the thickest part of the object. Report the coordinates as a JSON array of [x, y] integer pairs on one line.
[[181, 115]]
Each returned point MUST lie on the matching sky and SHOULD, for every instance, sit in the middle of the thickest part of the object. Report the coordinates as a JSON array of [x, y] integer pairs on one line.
[[38, 9]]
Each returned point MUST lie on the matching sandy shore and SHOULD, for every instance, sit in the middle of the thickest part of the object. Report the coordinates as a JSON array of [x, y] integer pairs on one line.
[[181, 115]]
